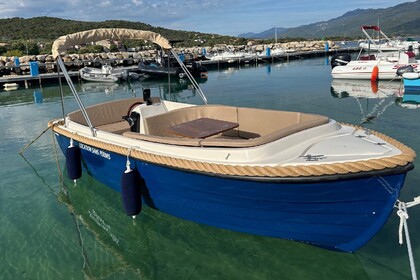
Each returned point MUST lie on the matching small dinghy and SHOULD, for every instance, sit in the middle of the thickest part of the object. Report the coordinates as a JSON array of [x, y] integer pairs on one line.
[[11, 86], [103, 75]]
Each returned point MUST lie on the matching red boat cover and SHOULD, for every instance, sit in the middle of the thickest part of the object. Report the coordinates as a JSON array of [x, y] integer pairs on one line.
[[374, 27]]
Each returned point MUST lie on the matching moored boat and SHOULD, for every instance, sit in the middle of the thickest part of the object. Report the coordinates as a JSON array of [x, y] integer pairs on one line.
[[231, 57], [10, 86], [158, 70], [104, 75], [372, 65], [372, 98], [411, 80], [302, 177], [165, 65], [389, 45]]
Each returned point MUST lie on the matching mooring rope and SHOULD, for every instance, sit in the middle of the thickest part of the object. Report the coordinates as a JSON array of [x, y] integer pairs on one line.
[[33, 141], [64, 191], [403, 226], [60, 173], [63, 188]]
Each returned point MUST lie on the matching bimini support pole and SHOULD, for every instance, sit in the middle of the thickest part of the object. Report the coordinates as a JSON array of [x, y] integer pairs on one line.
[[190, 77], [61, 65]]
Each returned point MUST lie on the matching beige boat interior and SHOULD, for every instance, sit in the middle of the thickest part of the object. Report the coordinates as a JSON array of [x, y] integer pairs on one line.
[[256, 126]]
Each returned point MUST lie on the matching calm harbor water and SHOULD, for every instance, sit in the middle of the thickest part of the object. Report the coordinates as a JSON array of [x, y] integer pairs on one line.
[[53, 229]]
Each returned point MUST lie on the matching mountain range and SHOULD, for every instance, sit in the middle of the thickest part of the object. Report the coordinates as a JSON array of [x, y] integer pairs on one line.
[[399, 20]]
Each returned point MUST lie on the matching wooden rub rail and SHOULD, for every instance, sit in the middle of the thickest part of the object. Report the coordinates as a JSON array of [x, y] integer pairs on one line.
[[407, 156]]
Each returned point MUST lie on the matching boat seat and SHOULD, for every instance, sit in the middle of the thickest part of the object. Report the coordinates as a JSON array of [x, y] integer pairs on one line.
[[256, 126], [108, 116], [406, 59], [116, 127], [158, 125], [368, 57]]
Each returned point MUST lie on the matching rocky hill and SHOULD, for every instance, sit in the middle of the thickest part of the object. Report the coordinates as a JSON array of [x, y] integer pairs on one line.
[[399, 20]]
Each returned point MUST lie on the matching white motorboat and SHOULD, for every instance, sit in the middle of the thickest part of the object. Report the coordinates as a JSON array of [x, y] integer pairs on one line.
[[373, 66], [10, 86], [271, 53], [391, 45], [230, 57], [105, 74]]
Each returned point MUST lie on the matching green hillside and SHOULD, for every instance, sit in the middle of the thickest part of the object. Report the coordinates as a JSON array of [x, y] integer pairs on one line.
[[47, 29]]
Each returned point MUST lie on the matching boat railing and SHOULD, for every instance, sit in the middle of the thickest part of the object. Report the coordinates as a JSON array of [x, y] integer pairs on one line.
[[62, 67]]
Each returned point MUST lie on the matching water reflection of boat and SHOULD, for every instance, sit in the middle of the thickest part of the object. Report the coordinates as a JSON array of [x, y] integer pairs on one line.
[[410, 99], [365, 89], [384, 94], [157, 245], [177, 90], [98, 87], [411, 79]]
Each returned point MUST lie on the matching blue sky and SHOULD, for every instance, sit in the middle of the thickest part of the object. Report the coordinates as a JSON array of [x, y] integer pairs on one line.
[[226, 17]]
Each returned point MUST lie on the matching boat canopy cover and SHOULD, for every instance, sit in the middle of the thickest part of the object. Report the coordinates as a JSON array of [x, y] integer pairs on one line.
[[374, 27], [61, 45]]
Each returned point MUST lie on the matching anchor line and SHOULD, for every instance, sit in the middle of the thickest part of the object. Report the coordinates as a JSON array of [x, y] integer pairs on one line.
[[33, 141], [65, 192]]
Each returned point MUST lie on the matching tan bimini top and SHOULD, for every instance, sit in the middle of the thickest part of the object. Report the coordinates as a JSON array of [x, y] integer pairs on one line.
[[61, 45]]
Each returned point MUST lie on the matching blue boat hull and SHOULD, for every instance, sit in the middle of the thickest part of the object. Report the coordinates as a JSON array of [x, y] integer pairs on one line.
[[338, 214]]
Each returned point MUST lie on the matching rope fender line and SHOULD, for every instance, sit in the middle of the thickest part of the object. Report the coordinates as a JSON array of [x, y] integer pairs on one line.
[[403, 227], [407, 156]]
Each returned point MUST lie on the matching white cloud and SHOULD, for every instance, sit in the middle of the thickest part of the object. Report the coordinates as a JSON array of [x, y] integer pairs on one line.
[[137, 2], [105, 4]]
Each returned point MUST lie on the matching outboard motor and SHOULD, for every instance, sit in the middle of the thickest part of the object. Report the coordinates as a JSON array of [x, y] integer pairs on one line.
[[340, 59], [405, 69]]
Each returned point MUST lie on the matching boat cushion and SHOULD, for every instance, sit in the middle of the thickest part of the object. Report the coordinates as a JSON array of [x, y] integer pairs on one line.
[[105, 113], [116, 127], [108, 116], [194, 142], [158, 125], [256, 126]]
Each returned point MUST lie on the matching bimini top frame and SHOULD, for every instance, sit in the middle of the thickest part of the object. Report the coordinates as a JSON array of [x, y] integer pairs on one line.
[[63, 43]]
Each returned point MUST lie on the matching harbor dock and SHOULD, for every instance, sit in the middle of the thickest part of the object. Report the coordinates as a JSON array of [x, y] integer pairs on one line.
[[46, 72]]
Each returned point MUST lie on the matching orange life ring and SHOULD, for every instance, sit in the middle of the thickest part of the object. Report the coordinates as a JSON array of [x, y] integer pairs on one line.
[[374, 86], [375, 72]]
